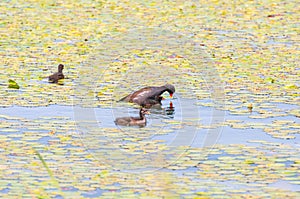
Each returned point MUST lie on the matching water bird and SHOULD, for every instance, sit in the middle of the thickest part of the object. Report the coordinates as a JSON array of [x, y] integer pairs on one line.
[[58, 75], [133, 121], [149, 95]]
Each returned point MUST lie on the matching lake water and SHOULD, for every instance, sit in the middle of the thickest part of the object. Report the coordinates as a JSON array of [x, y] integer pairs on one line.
[[187, 124]]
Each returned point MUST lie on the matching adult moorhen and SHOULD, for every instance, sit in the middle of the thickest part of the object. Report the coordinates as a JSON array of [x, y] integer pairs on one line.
[[58, 75], [149, 95], [133, 121]]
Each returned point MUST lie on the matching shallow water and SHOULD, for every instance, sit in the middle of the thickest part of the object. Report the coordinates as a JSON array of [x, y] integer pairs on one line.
[[185, 110], [189, 124], [235, 52]]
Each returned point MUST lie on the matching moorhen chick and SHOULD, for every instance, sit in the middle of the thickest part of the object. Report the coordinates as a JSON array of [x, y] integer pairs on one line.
[[149, 95], [58, 75], [133, 121]]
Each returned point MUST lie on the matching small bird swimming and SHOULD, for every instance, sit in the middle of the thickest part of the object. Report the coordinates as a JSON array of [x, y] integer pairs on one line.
[[133, 121], [58, 75]]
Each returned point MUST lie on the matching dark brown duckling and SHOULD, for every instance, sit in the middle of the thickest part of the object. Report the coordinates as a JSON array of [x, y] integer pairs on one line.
[[133, 121], [58, 75], [148, 94]]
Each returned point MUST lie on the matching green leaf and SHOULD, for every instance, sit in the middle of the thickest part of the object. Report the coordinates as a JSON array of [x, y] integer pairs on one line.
[[13, 84]]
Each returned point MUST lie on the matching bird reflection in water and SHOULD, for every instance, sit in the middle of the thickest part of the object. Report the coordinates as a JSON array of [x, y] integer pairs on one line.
[[170, 110]]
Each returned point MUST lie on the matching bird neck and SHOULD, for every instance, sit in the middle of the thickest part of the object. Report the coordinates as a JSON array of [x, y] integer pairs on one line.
[[60, 68], [142, 116], [160, 90]]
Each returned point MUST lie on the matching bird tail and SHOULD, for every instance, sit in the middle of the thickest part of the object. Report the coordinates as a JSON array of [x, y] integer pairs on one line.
[[122, 99]]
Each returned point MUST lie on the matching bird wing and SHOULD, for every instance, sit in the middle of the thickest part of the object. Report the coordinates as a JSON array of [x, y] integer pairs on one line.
[[141, 95], [53, 77], [133, 97], [123, 120]]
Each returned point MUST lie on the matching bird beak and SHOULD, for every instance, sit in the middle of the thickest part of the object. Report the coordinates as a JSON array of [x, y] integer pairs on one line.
[[171, 95]]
